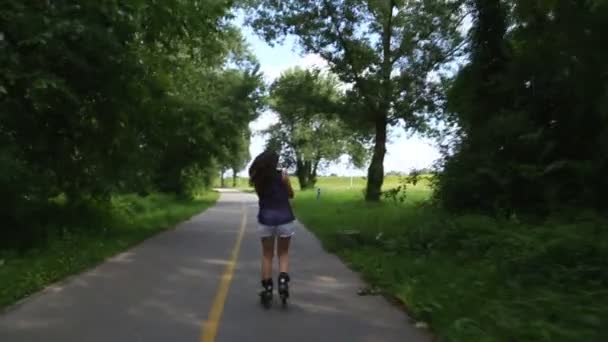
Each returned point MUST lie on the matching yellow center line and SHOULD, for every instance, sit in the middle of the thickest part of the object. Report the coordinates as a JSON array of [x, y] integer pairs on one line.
[[211, 325]]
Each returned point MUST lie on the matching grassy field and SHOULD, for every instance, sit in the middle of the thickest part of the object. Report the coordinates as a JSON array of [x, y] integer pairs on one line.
[[327, 183], [470, 277], [130, 220]]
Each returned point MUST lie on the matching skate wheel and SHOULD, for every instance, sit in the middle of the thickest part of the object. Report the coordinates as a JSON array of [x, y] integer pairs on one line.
[[266, 301]]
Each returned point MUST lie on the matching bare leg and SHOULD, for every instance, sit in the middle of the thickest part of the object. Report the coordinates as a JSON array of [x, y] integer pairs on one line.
[[283, 252], [267, 256]]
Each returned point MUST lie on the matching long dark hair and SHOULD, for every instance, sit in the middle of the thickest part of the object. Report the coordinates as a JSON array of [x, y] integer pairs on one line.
[[262, 171]]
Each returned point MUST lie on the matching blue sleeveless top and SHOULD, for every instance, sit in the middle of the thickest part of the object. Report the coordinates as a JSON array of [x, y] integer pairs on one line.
[[274, 204]]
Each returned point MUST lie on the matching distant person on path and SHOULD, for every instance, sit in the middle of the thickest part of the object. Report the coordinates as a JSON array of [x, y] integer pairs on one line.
[[275, 218]]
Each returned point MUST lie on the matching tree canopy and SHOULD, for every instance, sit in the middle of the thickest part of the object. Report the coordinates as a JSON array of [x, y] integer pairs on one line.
[[531, 109], [309, 132], [105, 97], [140, 96], [388, 51]]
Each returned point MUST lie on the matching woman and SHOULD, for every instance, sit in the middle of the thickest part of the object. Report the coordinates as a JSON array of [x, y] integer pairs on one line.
[[275, 218]]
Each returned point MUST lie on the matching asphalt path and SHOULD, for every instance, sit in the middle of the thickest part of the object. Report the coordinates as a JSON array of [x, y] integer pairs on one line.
[[200, 282]]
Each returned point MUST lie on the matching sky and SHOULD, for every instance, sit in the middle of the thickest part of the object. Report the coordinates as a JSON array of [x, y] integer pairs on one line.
[[404, 151]]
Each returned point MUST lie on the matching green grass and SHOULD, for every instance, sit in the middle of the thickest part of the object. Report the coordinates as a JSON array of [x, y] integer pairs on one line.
[[241, 183], [470, 277], [328, 183], [130, 220]]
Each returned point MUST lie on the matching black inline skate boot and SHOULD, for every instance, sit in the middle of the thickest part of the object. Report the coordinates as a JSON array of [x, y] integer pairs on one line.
[[283, 287], [266, 293]]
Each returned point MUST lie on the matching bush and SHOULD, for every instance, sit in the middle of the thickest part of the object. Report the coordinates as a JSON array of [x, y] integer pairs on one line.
[[474, 277]]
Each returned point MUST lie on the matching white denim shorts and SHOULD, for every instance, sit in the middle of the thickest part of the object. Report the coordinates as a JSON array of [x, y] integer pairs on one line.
[[283, 230]]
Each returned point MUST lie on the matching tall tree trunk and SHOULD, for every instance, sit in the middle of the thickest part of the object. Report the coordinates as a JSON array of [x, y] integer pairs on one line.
[[307, 173], [313, 175], [234, 177], [222, 181], [375, 173], [301, 173]]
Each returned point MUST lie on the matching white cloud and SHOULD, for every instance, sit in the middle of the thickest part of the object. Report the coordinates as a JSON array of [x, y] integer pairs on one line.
[[405, 154], [313, 60], [258, 140], [266, 119], [273, 71]]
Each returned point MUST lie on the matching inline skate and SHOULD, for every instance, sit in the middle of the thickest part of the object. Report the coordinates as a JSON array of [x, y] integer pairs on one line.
[[266, 293], [283, 284]]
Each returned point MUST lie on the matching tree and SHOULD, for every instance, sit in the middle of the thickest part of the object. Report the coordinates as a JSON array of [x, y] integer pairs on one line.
[[309, 131], [530, 107], [98, 98], [207, 129], [235, 158], [387, 51], [241, 158]]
